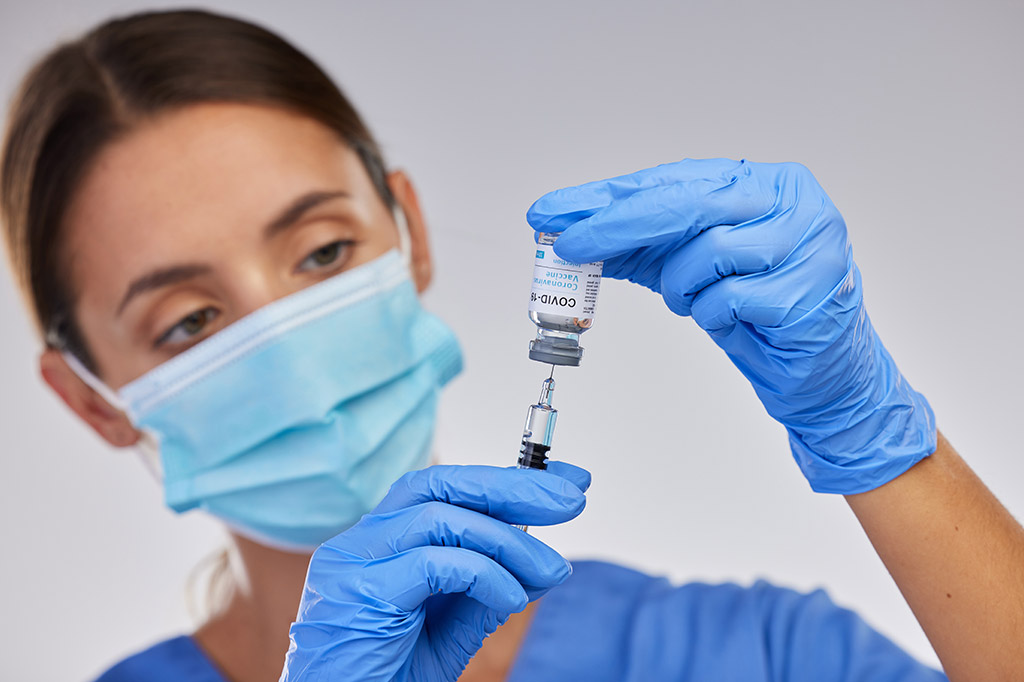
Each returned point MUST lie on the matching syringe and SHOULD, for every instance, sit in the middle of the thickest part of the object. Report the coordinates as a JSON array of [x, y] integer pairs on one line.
[[539, 430]]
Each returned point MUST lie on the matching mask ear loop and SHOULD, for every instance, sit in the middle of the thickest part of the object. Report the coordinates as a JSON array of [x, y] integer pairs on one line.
[[93, 381], [404, 238], [148, 447]]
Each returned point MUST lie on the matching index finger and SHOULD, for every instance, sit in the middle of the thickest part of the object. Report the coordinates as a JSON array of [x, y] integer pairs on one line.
[[561, 208], [512, 495]]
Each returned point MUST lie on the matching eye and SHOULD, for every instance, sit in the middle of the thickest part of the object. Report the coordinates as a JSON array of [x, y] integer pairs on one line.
[[188, 328], [324, 256]]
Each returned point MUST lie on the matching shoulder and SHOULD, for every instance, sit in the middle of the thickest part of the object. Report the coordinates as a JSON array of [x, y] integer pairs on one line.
[[178, 658], [643, 588], [728, 604], [649, 598], [589, 573], [715, 631]]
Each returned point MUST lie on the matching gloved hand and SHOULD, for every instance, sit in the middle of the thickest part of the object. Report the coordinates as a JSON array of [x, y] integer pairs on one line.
[[411, 591], [758, 255]]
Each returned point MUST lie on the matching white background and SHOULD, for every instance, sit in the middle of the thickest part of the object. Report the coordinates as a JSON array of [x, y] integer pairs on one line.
[[909, 114]]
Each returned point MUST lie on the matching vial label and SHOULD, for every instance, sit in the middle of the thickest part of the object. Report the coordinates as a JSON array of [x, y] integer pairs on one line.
[[564, 288]]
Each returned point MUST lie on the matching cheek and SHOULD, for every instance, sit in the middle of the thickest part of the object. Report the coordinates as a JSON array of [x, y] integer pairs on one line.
[[117, 362], [378, 246], [381, 236]]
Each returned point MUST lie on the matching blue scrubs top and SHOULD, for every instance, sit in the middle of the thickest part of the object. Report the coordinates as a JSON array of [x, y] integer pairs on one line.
[[609, 623]]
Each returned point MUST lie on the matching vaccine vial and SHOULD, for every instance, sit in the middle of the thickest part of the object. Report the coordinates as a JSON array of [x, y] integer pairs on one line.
[[562, 304]]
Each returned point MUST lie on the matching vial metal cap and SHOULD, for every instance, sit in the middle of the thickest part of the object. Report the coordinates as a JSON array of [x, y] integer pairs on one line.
[[556, 351]]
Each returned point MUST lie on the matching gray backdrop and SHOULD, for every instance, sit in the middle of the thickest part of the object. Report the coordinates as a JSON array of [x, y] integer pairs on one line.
[[909, 114]]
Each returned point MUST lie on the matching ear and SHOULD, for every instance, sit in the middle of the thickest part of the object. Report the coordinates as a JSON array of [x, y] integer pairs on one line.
[[405, 195], [112, 424]]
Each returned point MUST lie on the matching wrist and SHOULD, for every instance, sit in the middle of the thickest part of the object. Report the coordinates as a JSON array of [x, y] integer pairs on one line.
[[889, 428]]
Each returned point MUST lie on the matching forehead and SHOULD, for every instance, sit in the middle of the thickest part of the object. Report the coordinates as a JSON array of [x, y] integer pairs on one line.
[[188, 178]]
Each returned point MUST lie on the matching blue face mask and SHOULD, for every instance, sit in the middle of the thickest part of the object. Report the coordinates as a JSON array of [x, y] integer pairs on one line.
[[293, 422]]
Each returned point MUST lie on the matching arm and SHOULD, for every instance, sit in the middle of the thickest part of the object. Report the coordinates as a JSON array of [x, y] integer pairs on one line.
[[958, 558], [758, 256]]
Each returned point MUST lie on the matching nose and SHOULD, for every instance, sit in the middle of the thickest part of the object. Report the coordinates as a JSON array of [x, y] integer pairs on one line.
[[254, 286]]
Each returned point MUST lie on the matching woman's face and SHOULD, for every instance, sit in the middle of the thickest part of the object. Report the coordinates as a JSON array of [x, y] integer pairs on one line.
[[204, 215], [199, 217]]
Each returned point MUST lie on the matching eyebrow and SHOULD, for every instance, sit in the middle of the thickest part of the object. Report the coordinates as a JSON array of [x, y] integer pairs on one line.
[[161, 278], [174, 274], [298, 208]]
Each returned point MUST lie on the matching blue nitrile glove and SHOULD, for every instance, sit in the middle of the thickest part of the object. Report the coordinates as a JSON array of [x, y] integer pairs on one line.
[[758, 255], [410, 592]]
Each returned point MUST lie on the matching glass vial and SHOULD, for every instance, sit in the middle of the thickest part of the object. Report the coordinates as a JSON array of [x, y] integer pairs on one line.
[[562, 304]]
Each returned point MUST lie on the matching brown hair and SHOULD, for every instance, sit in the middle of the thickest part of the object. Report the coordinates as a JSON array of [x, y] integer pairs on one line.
[[85, 94]]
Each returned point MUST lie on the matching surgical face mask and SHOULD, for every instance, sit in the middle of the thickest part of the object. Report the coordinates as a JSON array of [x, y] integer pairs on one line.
[[292, 422]]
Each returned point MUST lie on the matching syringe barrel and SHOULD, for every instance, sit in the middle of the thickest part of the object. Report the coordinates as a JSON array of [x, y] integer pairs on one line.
[[540, 425], [537, 435]]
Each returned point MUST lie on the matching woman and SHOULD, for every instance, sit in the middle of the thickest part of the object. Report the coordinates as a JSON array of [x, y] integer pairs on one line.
[[225, 275]]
